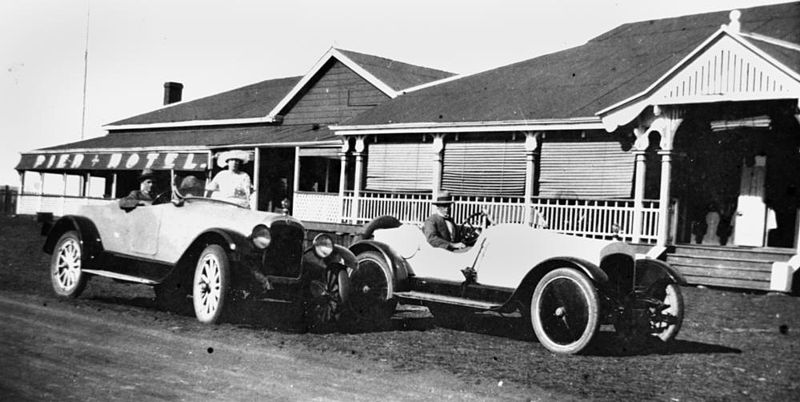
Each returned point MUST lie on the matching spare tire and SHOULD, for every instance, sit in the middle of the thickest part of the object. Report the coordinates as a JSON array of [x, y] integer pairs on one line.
[[381, 222]]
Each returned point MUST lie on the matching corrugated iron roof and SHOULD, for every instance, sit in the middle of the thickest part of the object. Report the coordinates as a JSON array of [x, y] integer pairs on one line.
[[257, 100], [251, 101], [580, 81], [207, 138], [395, 74]]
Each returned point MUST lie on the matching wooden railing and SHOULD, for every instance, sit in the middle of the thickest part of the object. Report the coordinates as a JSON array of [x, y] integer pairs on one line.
[[317, 207], [596, 218]]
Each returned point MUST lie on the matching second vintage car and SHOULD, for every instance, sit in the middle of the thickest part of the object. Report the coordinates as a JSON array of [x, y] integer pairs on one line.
[[565, 286], [198, 253]]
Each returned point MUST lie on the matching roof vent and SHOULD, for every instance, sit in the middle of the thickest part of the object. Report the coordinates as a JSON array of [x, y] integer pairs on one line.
[[172, 92], [735, 25]]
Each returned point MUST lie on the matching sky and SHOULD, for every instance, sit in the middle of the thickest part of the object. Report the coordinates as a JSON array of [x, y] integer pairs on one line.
[[134, 46]]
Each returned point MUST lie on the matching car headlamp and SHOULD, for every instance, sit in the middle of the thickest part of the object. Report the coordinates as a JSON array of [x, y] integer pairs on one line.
[[323, 245], [261, 237]]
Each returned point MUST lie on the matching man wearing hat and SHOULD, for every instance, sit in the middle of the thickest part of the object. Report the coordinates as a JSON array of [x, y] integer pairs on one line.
[[439, 228], [142, 196]]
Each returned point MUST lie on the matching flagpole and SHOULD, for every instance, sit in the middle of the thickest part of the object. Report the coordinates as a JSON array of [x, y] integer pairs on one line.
[[85, 71]]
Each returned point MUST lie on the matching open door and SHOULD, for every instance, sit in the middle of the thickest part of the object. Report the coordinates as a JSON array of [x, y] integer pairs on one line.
[[751, 210]]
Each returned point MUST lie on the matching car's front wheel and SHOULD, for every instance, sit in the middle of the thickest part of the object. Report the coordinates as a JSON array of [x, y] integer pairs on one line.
[[371, 302], [210, 287], [564, 311], [66, 266]]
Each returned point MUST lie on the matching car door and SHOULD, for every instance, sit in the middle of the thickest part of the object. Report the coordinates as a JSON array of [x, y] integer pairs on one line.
[[140, 228]]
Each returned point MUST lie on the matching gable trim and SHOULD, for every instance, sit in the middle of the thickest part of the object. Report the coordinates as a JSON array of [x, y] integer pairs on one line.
[[625, 111], [587, 123], [192, 123], [331, 53]]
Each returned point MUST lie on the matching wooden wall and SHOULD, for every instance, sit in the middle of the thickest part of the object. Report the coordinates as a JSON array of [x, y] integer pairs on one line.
[[336, 94]]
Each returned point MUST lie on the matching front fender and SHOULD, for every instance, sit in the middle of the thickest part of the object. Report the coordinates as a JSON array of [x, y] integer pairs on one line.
[[647, 266], [397, 263], [234, 243], [87, 233], [525, 289]]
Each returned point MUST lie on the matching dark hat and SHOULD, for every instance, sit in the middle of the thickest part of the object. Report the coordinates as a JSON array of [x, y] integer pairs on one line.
[[443, 198], [146, 174]]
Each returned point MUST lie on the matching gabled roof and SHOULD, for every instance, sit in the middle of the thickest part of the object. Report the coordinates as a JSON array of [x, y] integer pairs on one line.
[[576, 83], [263, 101], [389, 76]]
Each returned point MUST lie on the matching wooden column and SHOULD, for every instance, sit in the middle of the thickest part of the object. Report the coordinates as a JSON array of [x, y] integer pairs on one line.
[[438, 163], [343, 179], [531, 146], [641, 144], [296, 179], [359, 154], [666, 123], [256, 178]]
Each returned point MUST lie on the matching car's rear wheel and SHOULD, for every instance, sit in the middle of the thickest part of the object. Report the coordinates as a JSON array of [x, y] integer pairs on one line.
[[66, 266], [371, 301], [210, 288], [564, 311]]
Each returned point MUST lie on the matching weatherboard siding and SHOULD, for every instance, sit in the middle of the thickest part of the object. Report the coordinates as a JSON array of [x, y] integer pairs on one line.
[[336, 95]]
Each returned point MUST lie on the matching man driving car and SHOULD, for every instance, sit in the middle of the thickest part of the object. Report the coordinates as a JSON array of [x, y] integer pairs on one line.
[[439, 228]]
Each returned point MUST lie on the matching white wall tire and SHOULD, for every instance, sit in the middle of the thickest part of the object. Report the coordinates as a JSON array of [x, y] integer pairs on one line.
[[66, 266], [565, 311], [211, 284]]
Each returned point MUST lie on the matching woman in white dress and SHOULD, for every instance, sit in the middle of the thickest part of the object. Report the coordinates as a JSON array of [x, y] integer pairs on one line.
[[232, 184]]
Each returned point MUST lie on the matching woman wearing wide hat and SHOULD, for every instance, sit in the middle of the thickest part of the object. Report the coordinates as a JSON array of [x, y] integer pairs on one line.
[[232, 184], [439, 228]]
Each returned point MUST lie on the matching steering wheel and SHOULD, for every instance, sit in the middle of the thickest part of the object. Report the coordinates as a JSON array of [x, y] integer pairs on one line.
[[469, 229], [162, 197]]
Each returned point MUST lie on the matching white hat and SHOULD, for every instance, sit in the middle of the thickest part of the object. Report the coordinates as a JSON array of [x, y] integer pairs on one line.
[[222, 157]]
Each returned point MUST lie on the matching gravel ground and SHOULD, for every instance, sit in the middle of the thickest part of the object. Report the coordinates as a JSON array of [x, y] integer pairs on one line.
[[734, 345]]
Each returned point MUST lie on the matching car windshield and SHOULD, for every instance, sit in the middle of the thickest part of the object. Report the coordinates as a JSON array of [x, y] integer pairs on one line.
[[192, 187]]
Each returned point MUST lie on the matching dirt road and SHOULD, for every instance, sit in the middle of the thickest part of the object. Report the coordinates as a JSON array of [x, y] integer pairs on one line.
[[55, 351], [113, 344]]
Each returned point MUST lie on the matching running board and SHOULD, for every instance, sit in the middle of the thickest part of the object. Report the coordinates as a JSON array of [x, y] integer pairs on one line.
[[122, 277], [458, 301]]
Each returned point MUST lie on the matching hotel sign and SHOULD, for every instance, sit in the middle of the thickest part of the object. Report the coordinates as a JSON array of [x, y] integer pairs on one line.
[[194, 161]]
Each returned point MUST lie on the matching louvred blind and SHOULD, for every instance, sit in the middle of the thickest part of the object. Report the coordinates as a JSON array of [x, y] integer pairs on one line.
[[585, 170], [484, 168], [399, 167]]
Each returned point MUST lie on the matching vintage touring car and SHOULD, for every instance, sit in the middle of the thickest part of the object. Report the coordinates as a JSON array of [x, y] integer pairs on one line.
[[198, 253], [566, 286]]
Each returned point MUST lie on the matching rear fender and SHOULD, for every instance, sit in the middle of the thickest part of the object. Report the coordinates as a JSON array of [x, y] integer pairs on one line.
[[87, 233], [393, 260], [525, 289]]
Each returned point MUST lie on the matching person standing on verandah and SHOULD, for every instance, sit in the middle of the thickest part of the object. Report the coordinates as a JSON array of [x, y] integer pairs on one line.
[[232, 185]]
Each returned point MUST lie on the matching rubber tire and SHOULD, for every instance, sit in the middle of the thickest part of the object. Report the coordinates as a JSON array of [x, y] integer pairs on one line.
[[72, 280], [317, 316], [371, 302], [674, 298], [590, 303], [211, 299]]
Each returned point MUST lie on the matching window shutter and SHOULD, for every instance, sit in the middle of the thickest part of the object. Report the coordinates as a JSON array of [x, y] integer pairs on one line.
[[399, 167], [484, 168], [585, 170]]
